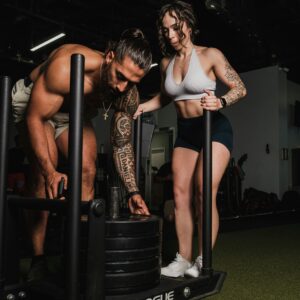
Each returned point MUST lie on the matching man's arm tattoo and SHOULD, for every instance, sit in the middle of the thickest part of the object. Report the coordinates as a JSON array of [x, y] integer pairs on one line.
[[238, 91], [123, 153], [129, 102]]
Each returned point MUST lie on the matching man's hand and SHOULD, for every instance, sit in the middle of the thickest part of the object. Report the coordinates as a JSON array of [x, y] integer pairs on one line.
[[137, 205], [52, 182]]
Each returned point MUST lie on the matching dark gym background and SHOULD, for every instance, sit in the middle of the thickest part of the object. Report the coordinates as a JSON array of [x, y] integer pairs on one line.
[[253, 34]]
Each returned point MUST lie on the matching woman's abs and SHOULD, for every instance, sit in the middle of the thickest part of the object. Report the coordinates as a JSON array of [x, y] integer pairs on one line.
[[189, 108]]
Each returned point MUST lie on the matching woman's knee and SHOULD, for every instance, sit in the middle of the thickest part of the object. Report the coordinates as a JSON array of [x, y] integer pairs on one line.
[[182, 197], [180, 191]]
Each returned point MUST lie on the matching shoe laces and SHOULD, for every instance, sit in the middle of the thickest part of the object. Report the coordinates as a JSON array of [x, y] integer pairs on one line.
[[176, 260], [198, 262]]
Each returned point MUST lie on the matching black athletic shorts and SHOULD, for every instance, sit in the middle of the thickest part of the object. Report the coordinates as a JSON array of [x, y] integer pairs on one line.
[[190, 132]]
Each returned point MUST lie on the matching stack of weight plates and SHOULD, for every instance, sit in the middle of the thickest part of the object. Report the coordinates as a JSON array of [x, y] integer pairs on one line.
[[132, 248]]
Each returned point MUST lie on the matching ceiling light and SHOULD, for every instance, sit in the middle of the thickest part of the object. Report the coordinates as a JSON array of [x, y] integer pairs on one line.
[[58, 36], [215, 5]]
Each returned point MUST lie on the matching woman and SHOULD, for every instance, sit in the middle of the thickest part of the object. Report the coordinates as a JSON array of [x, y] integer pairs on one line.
[[189, 74]]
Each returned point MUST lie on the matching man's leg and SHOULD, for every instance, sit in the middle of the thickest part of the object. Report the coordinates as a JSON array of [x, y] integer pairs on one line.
[[89, 155], [37, 220]]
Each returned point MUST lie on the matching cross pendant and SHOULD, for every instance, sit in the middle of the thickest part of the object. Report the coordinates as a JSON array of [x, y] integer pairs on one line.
[[105, 116]]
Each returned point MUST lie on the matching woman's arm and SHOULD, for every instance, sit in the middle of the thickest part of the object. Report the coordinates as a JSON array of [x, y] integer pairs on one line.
[[225, 72], [160, 99]]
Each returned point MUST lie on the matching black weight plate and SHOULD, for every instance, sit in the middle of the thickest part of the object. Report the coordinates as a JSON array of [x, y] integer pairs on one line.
[[122, 243], [134, 279], [131, 254], [132, 225], [132, 266]]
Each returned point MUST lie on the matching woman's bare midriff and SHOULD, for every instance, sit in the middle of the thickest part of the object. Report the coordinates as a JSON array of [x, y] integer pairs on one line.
[[189, 108]]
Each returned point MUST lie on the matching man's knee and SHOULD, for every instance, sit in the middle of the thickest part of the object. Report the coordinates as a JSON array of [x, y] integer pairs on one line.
[[88, 172], [35, 184]]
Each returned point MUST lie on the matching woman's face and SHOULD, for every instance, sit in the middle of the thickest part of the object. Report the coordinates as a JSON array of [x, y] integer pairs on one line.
[[171, 31]]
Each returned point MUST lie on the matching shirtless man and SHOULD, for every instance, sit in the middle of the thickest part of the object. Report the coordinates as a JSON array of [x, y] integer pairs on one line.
[[41, 104]]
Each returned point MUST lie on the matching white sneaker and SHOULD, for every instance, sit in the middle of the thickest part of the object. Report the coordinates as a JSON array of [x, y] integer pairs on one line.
[[195, 270], [177, 267]]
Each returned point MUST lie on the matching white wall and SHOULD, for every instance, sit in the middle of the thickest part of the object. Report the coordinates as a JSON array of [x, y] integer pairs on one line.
[[283, 112], [293, 94], [255, 121]]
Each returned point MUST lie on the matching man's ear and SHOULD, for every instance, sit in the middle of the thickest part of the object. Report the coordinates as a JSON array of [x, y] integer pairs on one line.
[[109, 56]]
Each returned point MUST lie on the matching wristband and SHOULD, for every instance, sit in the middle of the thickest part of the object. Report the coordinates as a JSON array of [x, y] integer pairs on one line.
[[223, 102], [129, 195]]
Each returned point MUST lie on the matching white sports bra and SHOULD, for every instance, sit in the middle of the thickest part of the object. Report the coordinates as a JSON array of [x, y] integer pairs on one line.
[[193, 84]]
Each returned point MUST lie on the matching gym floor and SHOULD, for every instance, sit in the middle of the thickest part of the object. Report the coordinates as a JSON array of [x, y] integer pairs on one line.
[[259, 254], [262, 261]]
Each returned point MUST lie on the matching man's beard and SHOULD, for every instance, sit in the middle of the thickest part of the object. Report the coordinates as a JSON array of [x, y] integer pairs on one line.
[[106, 90]]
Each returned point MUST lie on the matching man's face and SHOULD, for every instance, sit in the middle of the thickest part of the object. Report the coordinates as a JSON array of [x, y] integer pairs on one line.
[[121, 76]]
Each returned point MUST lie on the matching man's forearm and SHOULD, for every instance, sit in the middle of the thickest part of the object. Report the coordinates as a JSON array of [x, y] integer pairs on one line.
[[125, 165], [39, 144], [122, 150]]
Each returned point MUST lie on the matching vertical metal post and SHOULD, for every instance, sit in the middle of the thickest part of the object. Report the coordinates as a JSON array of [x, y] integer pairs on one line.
[[207, 195], [74, 176], [95, 279], [5, 86], [137, 146], [114, 199]]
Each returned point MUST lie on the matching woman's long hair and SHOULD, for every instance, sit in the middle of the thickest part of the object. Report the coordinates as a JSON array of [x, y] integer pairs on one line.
[[182, 12]]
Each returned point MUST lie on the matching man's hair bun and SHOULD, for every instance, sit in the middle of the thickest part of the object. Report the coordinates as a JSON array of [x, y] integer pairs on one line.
[[132, 33]]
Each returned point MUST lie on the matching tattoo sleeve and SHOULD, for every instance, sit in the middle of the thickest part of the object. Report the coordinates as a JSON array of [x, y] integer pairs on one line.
[[238, 89], [121, 134]]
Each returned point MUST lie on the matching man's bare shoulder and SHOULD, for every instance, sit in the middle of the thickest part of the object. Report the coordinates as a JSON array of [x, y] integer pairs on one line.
[[92, 57], [58, 66]]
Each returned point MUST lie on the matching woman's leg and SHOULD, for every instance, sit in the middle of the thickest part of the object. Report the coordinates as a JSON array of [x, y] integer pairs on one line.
[[220, 159], [183, 167]]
